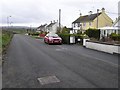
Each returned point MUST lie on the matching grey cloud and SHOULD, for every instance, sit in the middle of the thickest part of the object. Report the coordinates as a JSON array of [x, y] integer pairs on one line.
[[38, 11]]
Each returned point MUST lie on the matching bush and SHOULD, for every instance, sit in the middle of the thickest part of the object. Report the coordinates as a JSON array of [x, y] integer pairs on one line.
[[6, 38], [93, 33], [115, 37], [34, 34], [65, 38]]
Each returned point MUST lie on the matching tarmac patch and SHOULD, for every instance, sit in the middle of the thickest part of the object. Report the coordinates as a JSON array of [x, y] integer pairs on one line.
[[48, 80]]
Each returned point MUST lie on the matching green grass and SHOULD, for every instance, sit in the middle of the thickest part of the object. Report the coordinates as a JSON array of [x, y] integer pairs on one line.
[[37, 37], [6, 38]]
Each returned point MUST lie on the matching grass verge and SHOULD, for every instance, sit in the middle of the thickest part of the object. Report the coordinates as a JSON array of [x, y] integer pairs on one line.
[[6, 38]]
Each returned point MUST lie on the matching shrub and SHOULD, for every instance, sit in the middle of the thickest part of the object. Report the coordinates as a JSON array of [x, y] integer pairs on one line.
[[65, 38], [6, 38], [93, 33], [34, 34], [115, 37]]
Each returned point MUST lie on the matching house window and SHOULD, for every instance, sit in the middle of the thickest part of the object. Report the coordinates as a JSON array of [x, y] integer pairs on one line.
[[78, 24], [90, 23], [84, 24]]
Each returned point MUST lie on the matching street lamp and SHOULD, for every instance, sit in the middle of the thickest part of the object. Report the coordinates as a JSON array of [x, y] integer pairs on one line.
[[8, 20]]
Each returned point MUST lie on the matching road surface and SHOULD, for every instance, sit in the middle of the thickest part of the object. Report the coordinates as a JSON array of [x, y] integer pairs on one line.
[[74, 66]]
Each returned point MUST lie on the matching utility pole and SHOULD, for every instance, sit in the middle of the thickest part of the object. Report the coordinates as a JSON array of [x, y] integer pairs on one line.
[[97, 18], [8, 20], [59, 19]]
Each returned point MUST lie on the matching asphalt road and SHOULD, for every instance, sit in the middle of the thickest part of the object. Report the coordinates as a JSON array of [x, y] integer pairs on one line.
[[28, 59]]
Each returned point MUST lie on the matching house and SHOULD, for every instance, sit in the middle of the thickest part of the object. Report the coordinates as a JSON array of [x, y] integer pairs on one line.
[[52, 27], [97, 20], [42, 28], [115, 28]]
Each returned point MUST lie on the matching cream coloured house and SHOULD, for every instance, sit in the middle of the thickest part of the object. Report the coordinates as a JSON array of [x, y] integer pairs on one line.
[[97, 20]]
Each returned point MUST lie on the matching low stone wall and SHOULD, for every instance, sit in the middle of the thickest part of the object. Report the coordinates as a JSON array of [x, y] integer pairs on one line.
[[109, 48]]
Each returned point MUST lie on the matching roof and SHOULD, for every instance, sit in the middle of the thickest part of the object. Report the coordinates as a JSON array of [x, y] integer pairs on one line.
[[51, 24], [117, 20], [42, 26], [104, 28], [86, 18]]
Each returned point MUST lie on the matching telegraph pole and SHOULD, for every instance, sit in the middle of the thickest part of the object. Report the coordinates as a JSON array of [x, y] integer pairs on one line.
[[8, 22], [97, 18], [59, 19]]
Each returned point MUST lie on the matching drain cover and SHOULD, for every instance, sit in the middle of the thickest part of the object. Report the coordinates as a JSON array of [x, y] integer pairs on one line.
[[48, 80]]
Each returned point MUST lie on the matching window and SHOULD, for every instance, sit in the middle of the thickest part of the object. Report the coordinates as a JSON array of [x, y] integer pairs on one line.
[[115, 31], [78, 24], [90, 23], [84, 24]]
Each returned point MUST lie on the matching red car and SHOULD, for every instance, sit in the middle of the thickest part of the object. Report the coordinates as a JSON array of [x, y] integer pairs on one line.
[[52, 38]]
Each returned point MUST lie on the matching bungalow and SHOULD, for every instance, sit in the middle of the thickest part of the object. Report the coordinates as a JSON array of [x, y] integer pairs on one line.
[[52, 27], [106, 31], [42, 28], [97, 20]]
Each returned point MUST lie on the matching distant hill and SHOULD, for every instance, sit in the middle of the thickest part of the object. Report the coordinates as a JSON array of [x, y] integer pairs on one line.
[[18, 27]]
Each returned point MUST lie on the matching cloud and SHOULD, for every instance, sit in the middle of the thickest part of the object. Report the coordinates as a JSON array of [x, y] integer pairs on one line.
[[43, 11]]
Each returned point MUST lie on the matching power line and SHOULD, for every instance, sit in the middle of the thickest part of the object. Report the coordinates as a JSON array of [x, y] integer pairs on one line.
[[112, 13]]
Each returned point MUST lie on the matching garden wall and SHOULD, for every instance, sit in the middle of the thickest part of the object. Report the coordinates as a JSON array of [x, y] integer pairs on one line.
[[109, 48]]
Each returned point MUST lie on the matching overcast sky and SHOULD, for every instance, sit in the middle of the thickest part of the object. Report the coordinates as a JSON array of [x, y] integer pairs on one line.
[[37, 12]]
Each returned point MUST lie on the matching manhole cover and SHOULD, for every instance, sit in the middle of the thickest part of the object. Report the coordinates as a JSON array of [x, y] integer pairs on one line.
[[48, 80]]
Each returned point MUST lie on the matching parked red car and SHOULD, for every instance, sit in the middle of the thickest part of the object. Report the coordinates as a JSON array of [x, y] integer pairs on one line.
[[52, 38]]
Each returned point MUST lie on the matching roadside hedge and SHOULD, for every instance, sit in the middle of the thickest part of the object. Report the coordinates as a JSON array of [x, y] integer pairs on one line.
[[93, 33], [66, 37], [34, 34], [6, 38]]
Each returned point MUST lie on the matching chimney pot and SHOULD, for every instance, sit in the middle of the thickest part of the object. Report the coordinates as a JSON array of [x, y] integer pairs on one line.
[[80, 14], [90, 12], [103, 9]]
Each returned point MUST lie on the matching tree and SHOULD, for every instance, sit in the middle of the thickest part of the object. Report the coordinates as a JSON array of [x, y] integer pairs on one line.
[[65, 30]]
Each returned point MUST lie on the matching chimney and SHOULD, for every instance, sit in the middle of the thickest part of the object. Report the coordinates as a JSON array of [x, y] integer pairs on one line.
[[51, 21], [90, 12], [103, 10], [54, 21], [80, 14]]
